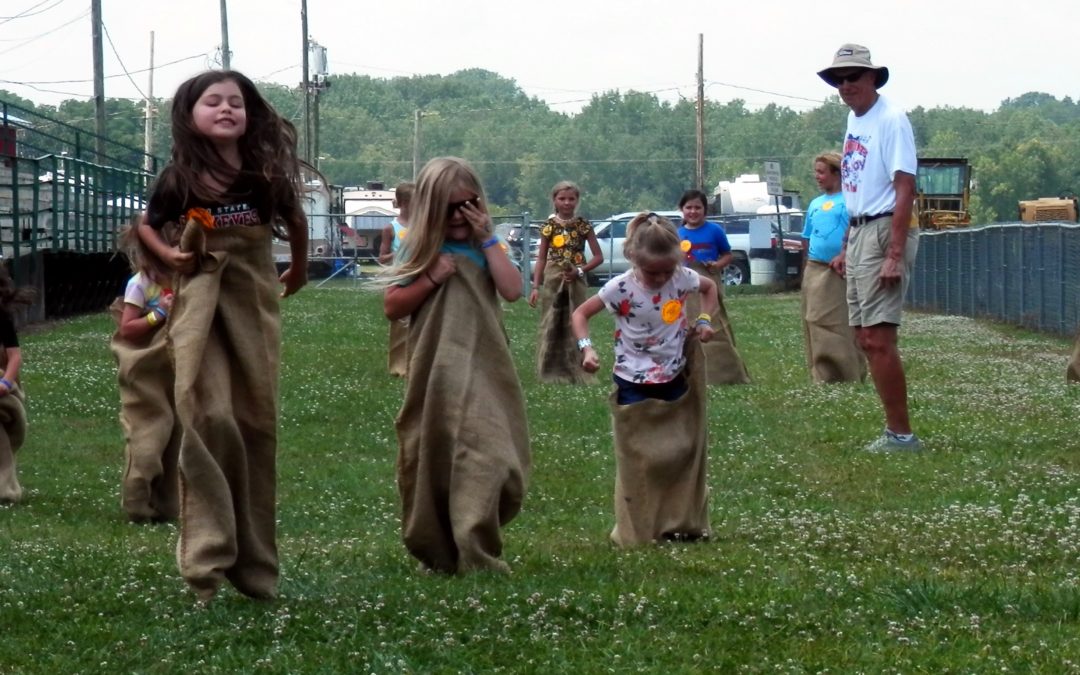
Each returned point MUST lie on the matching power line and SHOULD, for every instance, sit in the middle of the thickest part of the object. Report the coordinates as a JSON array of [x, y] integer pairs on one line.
[[30, 11], [46, 33], [121, 61]]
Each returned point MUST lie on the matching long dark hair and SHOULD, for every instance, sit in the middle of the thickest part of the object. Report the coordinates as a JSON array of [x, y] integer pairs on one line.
[[267, 152], [10, 295]]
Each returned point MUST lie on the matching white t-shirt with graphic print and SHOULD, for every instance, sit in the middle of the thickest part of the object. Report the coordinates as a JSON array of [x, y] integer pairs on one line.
[[876, 146], [650, 326]]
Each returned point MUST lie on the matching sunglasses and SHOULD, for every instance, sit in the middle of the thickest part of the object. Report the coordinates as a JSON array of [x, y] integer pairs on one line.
[[453, 207], [851, 78]]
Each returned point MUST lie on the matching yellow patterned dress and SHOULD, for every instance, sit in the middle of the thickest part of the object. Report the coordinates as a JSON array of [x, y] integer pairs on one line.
[[558, 359]]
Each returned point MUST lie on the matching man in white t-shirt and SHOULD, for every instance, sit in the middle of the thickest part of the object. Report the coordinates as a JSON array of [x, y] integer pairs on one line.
[[878, 180]]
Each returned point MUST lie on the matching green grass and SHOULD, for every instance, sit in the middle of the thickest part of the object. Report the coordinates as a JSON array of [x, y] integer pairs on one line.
[[962, 559]]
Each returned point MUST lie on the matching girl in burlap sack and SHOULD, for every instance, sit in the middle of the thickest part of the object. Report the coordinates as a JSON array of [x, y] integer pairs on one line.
[[234, 179], [150, 485], [559, 281], [463, 457], [658, 402], [707, 252], [392, 236], [12, 413]]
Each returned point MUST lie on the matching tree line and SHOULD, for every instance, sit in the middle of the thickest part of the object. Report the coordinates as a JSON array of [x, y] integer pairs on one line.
[[627, 150]]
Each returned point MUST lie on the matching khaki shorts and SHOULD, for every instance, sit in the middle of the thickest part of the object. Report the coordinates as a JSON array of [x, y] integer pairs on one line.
[[870, 304]]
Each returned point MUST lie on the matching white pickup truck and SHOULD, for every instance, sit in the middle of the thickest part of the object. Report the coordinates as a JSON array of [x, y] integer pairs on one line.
[[748, 235]]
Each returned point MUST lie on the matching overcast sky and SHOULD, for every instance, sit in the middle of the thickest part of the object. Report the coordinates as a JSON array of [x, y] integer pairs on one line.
[[940, 52]]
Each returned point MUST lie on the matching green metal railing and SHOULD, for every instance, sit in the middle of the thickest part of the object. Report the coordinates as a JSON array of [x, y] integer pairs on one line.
[[59, 203]]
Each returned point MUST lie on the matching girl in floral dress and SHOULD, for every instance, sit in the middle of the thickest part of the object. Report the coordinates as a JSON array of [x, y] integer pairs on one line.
[[559, 281], [658, 402]]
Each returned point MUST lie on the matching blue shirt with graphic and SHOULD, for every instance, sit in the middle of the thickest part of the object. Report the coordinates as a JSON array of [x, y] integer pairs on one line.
[[707, 242], [826, 223]]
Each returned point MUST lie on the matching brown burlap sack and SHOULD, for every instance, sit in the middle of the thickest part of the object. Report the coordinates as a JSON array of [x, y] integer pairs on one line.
[[1072, 371], [661, 454], [398, 359], [723, 365], [831, 351], [463, 459], [12, 435], [150, 486], [557, 356], [224, 334]]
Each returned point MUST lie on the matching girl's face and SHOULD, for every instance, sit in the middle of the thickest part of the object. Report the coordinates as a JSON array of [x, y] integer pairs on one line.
[[565, 203], [693, 213], [219, 114], [458, 227], [826, 179], [654, 273]]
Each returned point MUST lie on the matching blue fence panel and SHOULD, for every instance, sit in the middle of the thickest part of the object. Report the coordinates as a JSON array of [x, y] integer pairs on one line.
[[1022, 273]]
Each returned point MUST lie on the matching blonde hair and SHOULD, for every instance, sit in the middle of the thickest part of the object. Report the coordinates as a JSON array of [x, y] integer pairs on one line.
[[651, 237], [829, 159], [436, 182], [565, 185]]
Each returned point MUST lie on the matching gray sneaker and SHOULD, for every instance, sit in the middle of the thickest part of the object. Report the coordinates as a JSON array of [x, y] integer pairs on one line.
[[889, 442]]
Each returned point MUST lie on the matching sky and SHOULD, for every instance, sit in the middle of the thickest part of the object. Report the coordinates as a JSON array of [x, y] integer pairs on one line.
[[955, 53]]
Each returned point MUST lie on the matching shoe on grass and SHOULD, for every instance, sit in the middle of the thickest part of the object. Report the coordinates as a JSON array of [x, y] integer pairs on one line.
[[890, 442]]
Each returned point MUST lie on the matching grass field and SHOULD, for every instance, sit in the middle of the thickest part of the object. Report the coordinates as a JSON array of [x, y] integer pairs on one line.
[[961, 559]]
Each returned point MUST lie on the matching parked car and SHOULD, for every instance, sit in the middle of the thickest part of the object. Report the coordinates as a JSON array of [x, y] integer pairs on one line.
[[611, 234]]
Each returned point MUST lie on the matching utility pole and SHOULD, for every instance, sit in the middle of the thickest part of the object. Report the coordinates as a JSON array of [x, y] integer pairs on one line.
[[99, 79], [225, 53], [148, 129], [306, 85], [700, 166], [416, 143], [320, 85]]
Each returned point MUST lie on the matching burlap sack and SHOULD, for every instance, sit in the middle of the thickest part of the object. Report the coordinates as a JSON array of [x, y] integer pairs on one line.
[[463, 459], [398, 359], [1072, 371], [150, 487], [661, 454], [723, 365], [224, 333], [12, 435], [558, 359], [831, 351]]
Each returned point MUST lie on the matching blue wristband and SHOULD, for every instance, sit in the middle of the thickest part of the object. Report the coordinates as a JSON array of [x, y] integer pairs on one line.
[[490, 242], [7, 383]]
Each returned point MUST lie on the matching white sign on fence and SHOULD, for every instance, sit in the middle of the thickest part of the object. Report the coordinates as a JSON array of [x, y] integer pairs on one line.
[[772, 179]]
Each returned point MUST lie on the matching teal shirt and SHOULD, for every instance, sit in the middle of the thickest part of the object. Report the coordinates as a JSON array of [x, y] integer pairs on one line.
[[463, 248]]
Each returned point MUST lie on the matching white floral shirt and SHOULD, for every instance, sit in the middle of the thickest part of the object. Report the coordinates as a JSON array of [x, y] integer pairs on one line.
[[650, 325]]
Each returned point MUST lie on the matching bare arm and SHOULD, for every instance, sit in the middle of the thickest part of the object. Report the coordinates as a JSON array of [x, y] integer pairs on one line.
[[294, 278], [904, 184], [386, 253], [710, 304], [172, 256], [506, 276], [134, 325], [401, 301], [579, 323], [597, 253], [541, 261], [11, 373]]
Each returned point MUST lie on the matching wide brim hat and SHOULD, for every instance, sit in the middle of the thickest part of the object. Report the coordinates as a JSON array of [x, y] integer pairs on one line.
[[854, 56]]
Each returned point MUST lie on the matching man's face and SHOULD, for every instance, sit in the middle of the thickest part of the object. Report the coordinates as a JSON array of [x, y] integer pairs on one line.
[[856, 88]]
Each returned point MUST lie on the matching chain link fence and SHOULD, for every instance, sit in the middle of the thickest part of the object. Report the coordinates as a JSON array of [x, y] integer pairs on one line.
[[1026, 274]]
